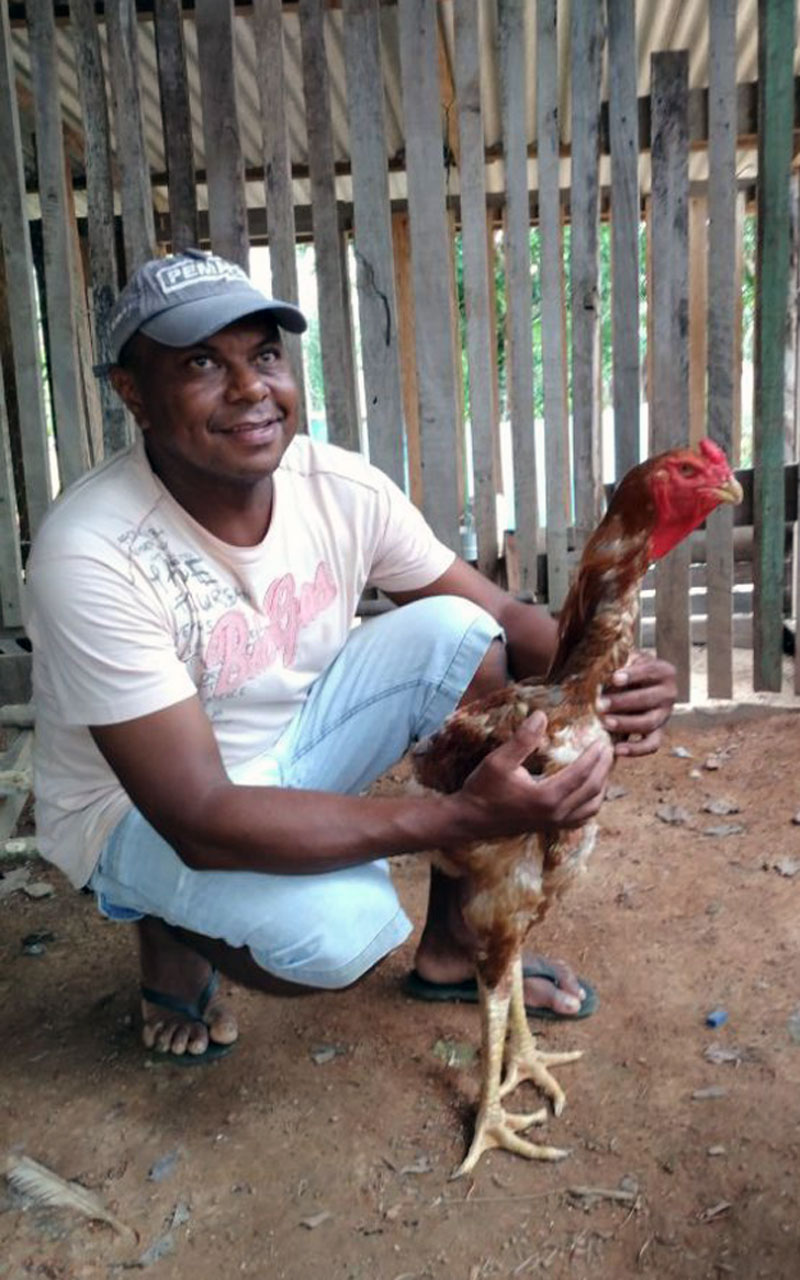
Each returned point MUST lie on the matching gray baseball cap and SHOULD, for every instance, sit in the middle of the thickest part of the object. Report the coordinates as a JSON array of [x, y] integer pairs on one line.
[[185, 298]]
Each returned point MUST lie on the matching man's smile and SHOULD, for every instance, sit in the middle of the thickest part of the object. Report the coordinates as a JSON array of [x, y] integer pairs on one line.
[[254, 431]]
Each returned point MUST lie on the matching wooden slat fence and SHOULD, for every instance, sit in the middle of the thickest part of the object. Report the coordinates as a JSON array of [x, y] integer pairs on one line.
[[446, 214]]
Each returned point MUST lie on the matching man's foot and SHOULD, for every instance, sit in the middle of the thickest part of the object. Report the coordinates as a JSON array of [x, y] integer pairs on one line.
[[551, 988], [447, 945], [180, 977]]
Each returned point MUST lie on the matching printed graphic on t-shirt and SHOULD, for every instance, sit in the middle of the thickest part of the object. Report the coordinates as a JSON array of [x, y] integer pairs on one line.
[[241, 645], [224, 634]]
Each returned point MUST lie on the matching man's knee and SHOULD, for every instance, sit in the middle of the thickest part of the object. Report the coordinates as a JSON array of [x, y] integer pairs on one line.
[[492, 674]]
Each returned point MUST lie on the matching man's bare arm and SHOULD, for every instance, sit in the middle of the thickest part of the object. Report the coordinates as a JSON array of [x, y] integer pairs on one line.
[[530, 630], [170, 766]]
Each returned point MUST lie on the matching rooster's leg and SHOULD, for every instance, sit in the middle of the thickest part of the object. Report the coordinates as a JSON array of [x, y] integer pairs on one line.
[[523, 1060], [496, 1127]]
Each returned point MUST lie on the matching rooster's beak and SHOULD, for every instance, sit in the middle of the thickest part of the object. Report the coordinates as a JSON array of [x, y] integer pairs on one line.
[[730, 491]]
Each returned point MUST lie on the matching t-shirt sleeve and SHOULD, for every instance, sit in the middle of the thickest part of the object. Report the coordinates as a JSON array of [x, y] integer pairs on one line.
[[407, 554], [105, 641]]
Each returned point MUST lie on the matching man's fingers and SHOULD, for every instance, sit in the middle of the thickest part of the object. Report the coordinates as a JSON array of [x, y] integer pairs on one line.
[[639, 699], [644, 746], [579, 789], [525, 740]]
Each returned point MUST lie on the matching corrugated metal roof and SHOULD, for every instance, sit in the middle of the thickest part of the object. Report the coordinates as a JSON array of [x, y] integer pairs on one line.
[[661, 25]]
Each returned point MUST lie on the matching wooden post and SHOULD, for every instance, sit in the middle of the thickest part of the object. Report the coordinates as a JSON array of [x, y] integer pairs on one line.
[[138, 227], [227, 205], [373, 237], [21, 287], [554, 355], [723, 358], [776, 42], [404, 289], [480, 317], [458, 365], [698, 315], [669, 400], [588, 38], [497, 457], [430, 247], [70, 424], [338, 367], [519, 355], [279, 196], [625, 220], [100, 211], [92, 413], [10, 557], [173, 88]]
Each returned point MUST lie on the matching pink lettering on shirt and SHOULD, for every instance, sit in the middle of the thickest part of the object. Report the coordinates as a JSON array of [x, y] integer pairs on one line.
[[241, 654]]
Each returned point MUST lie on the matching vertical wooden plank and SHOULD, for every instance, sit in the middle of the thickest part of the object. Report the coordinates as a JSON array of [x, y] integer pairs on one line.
[[795, 407], [71, 437], [92, 415], [430, 247], [10, 558], [373, 237], [723, 359], [479, 315], [336, 340], [698, 313], [173, 87], [458, 366], [138, 231], [551, 270], [497, 459], [12, 410], [519, 356], [776, 40], [20, 280], [100, 210], [624, 136], [404, 290], [227, 207], [278, 194], [669, 402], [588, 38]]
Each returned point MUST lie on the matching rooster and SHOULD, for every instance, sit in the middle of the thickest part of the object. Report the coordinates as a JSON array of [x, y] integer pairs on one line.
[[510, 882]]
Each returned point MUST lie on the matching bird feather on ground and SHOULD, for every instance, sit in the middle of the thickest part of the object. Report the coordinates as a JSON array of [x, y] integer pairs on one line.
[[511, 883]]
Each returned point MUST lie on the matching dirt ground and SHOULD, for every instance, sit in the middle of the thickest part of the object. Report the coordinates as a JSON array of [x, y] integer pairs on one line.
[[324, 1143]]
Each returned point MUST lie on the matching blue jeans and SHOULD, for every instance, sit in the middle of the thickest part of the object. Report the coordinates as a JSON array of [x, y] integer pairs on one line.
[[395, 681]]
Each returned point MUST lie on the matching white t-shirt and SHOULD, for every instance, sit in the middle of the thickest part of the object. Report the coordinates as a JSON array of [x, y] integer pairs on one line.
[[133, 606]]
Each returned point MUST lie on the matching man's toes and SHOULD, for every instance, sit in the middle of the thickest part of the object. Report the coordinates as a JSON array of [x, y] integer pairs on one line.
[[150, 1031], [541, 993], [171, 1038], [196, 1038], [222, 1026]]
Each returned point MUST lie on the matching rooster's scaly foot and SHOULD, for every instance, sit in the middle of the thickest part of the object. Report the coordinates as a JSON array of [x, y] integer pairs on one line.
[[497, 1128], [530, 1064]]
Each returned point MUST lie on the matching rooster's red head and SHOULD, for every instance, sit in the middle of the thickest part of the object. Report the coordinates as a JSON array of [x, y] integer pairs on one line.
[[674, 492]]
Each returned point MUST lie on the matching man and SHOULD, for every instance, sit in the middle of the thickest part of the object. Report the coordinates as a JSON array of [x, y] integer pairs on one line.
[[208, 718]]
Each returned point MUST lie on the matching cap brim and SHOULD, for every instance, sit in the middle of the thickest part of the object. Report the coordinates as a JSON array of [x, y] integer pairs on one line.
[[191, 322]]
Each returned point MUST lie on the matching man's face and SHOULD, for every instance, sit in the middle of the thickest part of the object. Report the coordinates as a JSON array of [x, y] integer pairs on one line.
[[223, 409]]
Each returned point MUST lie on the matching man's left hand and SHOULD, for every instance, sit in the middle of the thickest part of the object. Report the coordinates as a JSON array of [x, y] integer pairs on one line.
[[637, 703]]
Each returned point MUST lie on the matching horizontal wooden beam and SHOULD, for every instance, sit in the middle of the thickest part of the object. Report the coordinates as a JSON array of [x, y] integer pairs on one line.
[[145, 8], [747, 135]]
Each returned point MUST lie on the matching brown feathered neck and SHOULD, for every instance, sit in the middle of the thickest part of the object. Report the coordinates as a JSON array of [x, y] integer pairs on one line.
[[597, 623]]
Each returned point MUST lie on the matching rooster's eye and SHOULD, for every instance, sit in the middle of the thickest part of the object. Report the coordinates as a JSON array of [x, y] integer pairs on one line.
[[687, 469]]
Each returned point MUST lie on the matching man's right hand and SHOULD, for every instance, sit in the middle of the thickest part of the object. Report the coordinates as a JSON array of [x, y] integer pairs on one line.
[[505, 799]]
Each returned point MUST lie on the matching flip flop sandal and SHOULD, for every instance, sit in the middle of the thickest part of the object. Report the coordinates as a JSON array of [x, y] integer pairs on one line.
[[466, 992], [193, 1011]]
